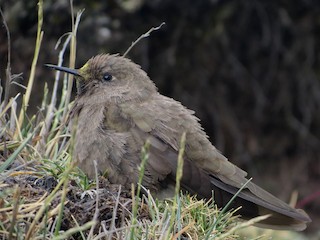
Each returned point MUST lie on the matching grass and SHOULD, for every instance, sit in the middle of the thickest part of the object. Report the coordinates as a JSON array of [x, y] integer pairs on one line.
[[44, 196]]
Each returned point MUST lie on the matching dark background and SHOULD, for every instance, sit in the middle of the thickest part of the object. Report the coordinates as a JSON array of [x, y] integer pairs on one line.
[[250, 70]]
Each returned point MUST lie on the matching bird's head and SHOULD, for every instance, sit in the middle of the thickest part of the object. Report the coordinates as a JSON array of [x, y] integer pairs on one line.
[[113, 76]]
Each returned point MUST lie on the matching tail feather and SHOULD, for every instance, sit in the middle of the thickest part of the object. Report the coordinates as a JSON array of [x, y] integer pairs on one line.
[[255, 201], [252, 200]]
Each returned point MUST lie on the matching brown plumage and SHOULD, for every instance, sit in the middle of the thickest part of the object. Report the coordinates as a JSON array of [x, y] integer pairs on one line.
[[118, 108]]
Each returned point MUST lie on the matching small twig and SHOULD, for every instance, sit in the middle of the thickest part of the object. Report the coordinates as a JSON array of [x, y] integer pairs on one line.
[[147, 34], [19, 85]]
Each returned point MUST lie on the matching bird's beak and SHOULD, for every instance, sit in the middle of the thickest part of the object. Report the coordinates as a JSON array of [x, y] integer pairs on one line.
[[64, 69]]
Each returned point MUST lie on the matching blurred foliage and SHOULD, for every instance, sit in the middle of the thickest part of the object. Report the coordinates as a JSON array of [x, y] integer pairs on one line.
[[250, 69]]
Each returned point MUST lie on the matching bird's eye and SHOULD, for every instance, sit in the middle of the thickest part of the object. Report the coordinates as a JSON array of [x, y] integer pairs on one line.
[[107, 77]]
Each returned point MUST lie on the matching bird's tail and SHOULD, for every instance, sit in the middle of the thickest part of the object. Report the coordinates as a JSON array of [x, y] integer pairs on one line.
[[254, 201]]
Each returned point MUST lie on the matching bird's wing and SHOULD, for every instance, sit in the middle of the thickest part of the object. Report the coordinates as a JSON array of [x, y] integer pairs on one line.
[[163, 120]]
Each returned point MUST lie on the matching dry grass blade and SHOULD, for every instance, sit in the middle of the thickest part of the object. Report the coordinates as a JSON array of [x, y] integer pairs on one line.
[[16, 197], [96, 212], [8, 69], [73, 43], [145, 35], [16, 152], [114, 215], [242, 225], [26, 96]]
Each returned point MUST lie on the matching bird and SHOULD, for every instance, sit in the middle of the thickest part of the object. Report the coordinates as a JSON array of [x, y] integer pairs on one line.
[[118, 108]]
